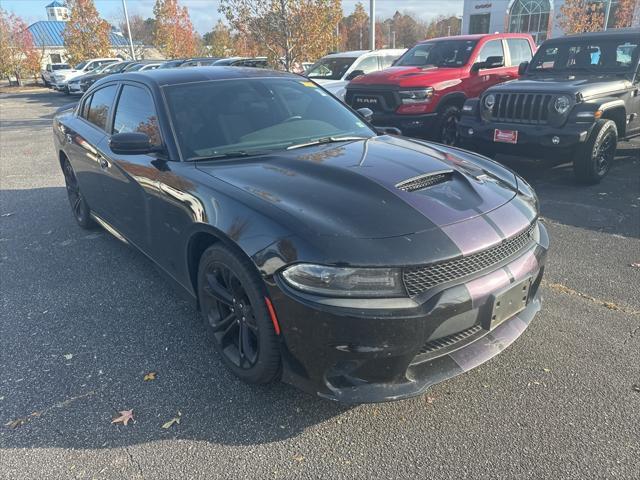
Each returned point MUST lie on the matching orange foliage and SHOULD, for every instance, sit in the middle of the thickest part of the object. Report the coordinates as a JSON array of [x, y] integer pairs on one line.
[[174, 34]]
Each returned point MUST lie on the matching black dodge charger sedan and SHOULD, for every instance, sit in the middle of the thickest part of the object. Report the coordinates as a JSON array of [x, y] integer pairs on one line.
[[356, 265]]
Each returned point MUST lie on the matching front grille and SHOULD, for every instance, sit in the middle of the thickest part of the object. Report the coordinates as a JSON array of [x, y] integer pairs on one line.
[[377, 100], [419, 279], [448, 341], [521, 108], [424, 181]]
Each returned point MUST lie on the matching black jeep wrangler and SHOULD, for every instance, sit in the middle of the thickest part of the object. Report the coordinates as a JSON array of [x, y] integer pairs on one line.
[[574, 100]]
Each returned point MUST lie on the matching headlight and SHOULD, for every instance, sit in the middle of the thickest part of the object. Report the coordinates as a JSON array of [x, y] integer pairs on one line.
[[411, 97], [345, 282], [489, 101], [562, 104]]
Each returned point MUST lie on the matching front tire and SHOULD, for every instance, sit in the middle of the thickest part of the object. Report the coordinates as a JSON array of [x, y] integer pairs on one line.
[[593, 159], [79, 206], [447, 127], [233, 306]]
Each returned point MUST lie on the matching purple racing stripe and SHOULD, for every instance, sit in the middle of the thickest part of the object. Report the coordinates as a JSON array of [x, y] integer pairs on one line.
[[509, 219], [525, 266], [473, 235], [480, 288]]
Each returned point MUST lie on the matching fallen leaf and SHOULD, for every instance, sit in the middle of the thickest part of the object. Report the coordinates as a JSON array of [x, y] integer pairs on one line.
[[635, 265], [298, 458], [125, 416], [170, 423], [150, 376], [15, 423], [636, 388], [7, 214], [68, 356], [546, 370], [430, 400]]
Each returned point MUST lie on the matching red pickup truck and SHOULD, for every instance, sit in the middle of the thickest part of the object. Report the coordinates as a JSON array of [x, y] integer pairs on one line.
[[423, 93]]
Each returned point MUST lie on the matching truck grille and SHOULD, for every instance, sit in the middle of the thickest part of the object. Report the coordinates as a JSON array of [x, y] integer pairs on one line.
[[378, 100], [521, 108], [419, 279]]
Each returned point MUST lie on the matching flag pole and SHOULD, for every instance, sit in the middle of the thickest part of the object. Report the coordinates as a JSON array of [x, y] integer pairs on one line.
[[126, 16]]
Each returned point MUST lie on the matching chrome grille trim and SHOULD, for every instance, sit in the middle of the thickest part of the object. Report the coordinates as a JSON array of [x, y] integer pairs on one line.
[[419, 279]]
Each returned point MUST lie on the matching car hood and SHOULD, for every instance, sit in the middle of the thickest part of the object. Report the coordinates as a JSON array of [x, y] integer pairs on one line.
[[351, 189], [587, 86], [410, 77]]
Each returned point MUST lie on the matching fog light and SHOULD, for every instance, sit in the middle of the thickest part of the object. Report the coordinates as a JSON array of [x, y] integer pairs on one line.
[[555, 140], [470, 131]]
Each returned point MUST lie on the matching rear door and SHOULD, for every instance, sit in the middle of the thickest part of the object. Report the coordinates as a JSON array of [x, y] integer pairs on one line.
[[518, 51], [84, 141]]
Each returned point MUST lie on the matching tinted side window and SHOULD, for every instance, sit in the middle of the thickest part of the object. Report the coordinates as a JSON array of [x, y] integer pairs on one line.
[[84, 112], [520, 50], [387, 60], [101, 104], [367, 65], [136, 113], [491, 49]]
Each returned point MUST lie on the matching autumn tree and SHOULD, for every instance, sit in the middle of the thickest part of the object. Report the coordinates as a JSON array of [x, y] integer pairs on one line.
[[174, 35], [18, 55], [442, 26], [290, 30], [86, 35], [579, 16], [623, 15], [355, 29], [219, 40]]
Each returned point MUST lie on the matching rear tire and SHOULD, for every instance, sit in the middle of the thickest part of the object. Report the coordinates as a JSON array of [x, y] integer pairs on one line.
[[233, 306], [593, 159], [79, 207]]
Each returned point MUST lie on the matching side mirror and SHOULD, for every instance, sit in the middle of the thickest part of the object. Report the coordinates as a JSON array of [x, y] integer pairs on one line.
[[366, 113], [354, 74], [133, 143], [490, 62], [522, 68]]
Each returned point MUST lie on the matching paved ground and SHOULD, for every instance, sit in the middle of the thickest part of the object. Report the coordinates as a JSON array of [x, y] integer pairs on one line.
[[84, 317]]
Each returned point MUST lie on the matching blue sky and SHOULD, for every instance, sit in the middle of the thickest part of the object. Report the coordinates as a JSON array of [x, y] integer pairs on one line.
[[204, 13]]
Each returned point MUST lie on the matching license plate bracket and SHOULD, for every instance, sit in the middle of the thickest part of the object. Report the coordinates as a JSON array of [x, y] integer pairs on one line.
[[510, 302], [505, 136]]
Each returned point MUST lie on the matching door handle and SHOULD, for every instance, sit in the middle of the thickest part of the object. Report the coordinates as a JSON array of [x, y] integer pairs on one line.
[[103, 162]]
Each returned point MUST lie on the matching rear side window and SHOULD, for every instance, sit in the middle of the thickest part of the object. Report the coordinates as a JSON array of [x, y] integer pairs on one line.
[[491, 49], [137, 113], [387, 60], [520, 50], [100, 106]]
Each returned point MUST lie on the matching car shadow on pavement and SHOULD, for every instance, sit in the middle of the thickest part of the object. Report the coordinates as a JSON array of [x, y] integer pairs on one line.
[[612, 206], [86, 317]]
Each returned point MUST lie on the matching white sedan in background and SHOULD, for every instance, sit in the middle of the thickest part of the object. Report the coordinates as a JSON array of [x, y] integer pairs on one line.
[[336, 70]]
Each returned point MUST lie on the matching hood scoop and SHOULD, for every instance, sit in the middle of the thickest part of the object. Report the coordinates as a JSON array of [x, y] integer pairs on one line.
[[425, 181]]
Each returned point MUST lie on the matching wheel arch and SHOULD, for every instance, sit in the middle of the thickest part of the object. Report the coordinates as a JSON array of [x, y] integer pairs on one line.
[[616, 111], [456, 99], [62, 157]]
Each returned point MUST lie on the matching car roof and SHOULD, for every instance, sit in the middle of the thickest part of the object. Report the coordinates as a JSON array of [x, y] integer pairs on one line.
[[614, 33], [360, 53], [478, 36], [175, 76]]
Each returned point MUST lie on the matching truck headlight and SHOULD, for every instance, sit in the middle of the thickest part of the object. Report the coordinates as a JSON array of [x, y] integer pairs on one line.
[[345, 281], [490, 101], [562, 104], [411, 97]]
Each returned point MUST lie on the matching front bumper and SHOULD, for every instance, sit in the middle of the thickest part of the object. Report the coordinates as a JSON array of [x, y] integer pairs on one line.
[[75, 89], [533, 140], [60, 86], [384, 350]]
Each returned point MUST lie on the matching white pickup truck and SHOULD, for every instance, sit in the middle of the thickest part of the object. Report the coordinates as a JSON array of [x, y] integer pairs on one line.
[[60, 78], [50, 69]]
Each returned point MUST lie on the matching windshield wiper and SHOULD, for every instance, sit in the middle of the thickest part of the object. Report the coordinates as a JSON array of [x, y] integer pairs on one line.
[[236, 154], [323, 140]]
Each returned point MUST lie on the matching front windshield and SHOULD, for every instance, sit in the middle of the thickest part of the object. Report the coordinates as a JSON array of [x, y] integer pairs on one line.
[[332, 68], [591, 56], [441, 53], [81, 65], [135, 67], [255, 115], [114, 67], [61, 66]]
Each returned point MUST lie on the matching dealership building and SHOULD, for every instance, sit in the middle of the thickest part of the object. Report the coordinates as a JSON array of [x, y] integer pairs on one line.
[[540, 18]]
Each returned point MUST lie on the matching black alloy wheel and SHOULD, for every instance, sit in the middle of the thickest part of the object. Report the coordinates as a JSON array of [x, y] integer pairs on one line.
[[593, 158], [79, 207], [232, 303], [448, 130]]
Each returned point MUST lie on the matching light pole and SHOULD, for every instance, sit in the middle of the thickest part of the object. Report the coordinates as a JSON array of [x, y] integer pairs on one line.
[[126, 17], [606, 14], [372, 24]]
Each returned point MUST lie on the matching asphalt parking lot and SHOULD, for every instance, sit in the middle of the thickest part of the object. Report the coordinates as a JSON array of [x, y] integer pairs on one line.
[[84, 317]]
